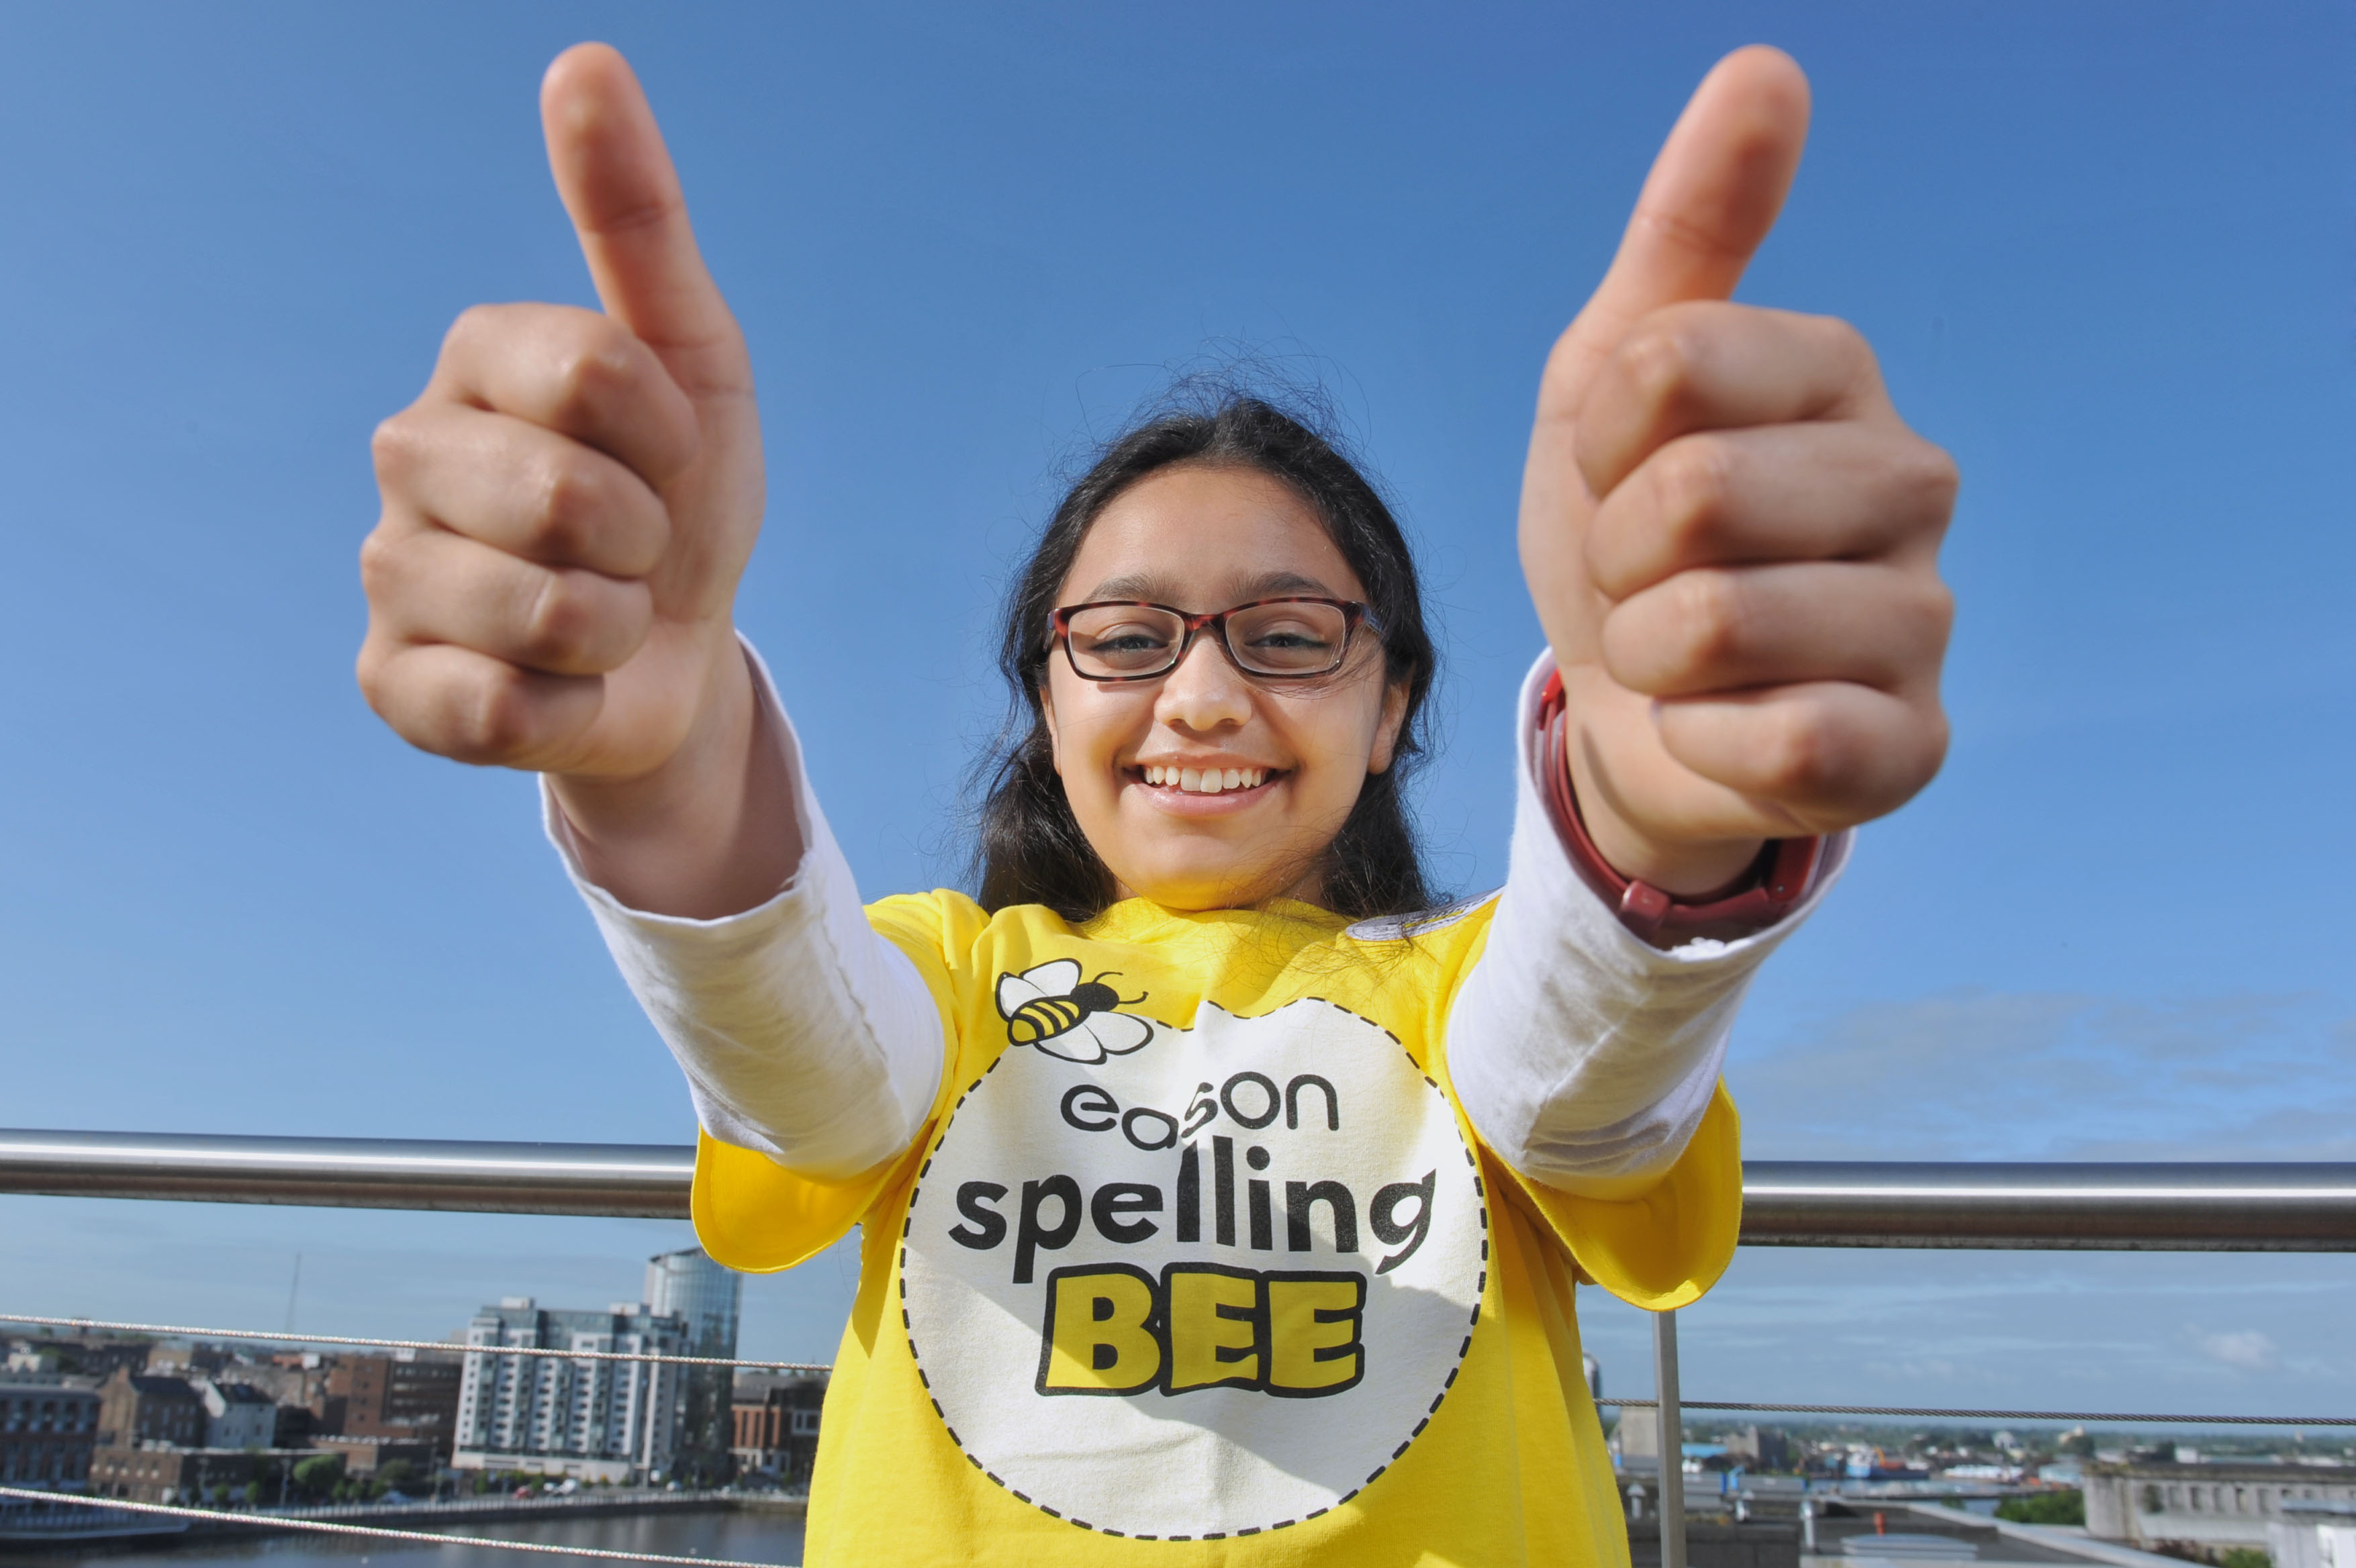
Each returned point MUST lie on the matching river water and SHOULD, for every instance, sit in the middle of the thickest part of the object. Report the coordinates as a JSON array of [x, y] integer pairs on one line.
[[752, 1535]]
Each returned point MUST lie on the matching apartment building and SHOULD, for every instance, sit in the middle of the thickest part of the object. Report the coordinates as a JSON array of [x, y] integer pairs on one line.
[[48, 1429], [554, 1415]]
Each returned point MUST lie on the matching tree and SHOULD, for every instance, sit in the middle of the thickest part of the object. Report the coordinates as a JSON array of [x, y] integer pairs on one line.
[[2045, 1508], [320, 1474]]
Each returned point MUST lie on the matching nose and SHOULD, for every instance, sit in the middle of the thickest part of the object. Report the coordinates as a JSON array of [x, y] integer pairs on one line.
[[1205, 692]]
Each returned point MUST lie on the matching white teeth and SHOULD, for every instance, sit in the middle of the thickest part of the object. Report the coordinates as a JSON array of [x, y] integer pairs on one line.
[[1204, 781]]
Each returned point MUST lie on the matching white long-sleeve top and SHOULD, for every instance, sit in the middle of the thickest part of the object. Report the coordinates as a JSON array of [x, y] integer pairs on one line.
[[1583, 1056]]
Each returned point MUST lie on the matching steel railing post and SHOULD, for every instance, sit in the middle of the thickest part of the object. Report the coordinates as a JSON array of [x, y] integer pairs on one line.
[[1673, 1441]]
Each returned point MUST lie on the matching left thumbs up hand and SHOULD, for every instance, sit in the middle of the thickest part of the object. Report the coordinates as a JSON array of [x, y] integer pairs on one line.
[[1730, 536]]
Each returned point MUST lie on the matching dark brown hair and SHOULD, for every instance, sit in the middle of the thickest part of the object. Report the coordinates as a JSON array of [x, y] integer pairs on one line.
[[1029, 848]]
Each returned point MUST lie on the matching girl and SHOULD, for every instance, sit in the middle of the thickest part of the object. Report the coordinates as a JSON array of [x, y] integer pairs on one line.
[[1221, 1202]]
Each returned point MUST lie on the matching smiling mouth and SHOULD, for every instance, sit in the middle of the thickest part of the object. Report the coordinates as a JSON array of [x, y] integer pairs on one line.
[[1207, 781]]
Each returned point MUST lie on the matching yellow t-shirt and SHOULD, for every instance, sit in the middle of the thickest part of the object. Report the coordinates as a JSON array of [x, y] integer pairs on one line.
[[1198, 1261]]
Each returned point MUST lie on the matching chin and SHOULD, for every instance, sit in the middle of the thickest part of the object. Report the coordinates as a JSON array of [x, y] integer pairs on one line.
[[1195, 889]]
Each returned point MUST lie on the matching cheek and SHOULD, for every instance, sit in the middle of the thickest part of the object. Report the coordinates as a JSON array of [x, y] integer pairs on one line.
[[1088, 733], [1334, 735]]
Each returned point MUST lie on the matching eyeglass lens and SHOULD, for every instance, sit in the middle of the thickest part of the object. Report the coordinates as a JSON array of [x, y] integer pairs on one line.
[[1132, 640]]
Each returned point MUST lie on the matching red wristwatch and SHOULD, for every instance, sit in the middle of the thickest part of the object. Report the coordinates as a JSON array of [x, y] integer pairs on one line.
[[1763, 894]]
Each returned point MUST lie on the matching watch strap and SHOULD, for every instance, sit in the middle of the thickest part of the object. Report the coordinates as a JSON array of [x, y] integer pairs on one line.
[[1765, 892]]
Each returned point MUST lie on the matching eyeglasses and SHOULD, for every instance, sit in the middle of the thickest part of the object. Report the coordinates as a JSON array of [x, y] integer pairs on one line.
[[1127, 639]]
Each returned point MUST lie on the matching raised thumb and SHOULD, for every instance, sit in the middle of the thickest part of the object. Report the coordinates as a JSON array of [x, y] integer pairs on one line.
[[1714, 192], [622, 192]]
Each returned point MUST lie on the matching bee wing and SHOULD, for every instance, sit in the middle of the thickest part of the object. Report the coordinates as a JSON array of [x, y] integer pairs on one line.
[[1013, 990], [1118, 1034], [1052, 979], [1059, 978], [1078, 1044]]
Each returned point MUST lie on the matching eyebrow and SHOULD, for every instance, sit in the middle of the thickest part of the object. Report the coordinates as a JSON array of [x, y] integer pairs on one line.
[[1160, 590]]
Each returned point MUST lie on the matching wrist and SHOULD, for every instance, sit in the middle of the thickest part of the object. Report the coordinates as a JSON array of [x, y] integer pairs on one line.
[[1695, 872], [710, 747], [1722, 891], [710, 832]]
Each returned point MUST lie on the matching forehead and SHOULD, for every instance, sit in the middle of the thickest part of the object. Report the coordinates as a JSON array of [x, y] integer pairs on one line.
[[1203, 538]]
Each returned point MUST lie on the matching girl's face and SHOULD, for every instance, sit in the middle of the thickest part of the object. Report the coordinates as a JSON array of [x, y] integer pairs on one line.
[[1200, 540]]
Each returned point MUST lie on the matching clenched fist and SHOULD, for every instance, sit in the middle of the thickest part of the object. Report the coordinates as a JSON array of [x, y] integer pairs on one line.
[[1730, 536]]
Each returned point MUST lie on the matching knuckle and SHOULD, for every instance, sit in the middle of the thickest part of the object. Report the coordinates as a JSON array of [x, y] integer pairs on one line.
[[1802, 753], [1710, 613], [560, 624], [1694, 483], [1847, 348], [491, 718], [1660, 360], [392, 447], [1934, 479], [368, 671], [1844, 338], [1935, 610], [475, 325], [379, 563], [567, 496], [593, 368]]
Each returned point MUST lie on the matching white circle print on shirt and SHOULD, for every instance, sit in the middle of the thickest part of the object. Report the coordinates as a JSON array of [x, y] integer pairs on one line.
[[1207, 1284]]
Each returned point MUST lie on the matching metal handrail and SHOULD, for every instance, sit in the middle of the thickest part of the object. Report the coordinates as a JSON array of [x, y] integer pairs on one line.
[[2145, 1207], [648, 1181], [1789, 1203]]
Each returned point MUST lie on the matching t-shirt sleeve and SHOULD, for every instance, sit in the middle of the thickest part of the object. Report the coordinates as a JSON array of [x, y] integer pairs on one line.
[[802, 1034], [752, 1213], [1665, 1246]]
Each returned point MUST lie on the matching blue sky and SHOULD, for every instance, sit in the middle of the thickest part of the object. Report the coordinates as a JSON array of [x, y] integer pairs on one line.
[[2105, 253]]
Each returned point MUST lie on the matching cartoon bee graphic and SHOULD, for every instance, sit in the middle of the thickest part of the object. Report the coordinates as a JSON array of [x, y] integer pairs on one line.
[[1053, 1008]]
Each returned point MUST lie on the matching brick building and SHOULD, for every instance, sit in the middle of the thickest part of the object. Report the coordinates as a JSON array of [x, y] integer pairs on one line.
[[48, 1429], [136, 1409], [775, 1424], [168, 1475], [365, 1457], [405, 1397]]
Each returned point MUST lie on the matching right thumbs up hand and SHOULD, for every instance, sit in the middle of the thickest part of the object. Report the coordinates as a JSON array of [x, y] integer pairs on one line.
[[567, 510]]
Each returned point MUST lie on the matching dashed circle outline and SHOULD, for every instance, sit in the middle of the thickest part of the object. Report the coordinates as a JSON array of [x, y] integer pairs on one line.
[[1480, 1293]]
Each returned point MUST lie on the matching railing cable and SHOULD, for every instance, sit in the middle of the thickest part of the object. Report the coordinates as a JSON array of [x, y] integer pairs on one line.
[[2109, 1417], [444, 1347], [381, 1532]]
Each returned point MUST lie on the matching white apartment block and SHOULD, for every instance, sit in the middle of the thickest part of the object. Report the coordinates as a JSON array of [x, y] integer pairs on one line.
[[552, 1416], [236, 1416]]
